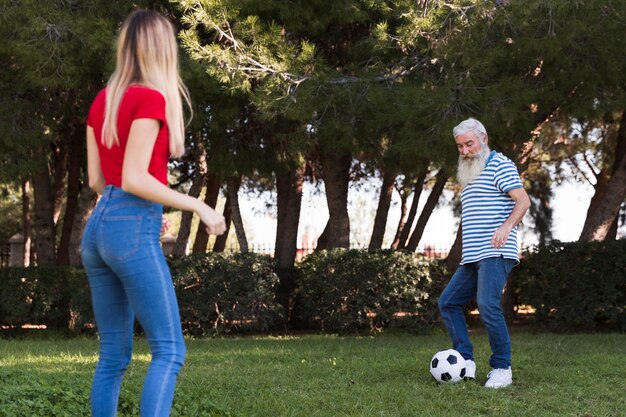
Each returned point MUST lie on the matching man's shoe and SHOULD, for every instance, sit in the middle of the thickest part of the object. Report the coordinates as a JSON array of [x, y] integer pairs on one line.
[[470, 370], [499, 378]]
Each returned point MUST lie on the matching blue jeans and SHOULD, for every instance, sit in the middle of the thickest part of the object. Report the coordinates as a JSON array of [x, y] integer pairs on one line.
[[483, 280], [128, 276]]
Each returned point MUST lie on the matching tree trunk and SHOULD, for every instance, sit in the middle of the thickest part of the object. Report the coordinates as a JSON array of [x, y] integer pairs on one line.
[[289, 192], [382, 211], [220, 241], [232, 186], [182, 239], [428, 209], [417, 192], [210, 199], [289, 198], [336, 175], [61, 155], [609, 195], [401, 222], [76, 162], [454, 256], [27, 229], [44, 220], [86, 202], [612, 233], [600, 217]]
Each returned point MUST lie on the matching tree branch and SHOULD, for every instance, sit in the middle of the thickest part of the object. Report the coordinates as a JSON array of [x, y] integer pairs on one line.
[[573, 161]]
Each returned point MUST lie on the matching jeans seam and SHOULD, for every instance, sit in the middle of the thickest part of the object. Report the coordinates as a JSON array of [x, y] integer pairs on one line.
[[454, 335], [170, 321]]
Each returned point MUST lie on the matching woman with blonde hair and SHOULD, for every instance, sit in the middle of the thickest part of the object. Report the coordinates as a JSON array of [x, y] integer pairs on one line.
[[135, 124]]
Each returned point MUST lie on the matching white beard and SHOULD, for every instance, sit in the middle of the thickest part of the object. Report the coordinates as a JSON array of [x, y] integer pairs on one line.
[[470, 167]]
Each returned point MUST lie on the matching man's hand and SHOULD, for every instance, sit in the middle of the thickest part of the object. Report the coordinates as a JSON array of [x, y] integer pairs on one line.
[[522, 203], [500, 236]]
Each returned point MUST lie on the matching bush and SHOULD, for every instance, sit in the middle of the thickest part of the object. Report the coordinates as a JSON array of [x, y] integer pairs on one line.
[[576, 285], [222, 292], [217, 293], [57, 297], [17, 289], [354, 290], [570, 285]]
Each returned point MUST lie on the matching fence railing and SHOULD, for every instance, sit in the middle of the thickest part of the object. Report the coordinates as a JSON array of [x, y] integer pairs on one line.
[[431, 251], [5, 255]]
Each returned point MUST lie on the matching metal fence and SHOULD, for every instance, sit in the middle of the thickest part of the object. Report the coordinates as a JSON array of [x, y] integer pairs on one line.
[[5, 255], [431, 251]]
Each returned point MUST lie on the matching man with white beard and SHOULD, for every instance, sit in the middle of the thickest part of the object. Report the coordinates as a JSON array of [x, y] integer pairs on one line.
[[493, 202]]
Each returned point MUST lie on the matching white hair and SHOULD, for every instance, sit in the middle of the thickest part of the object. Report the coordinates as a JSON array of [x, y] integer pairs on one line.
[[470, 167], [470, 125]]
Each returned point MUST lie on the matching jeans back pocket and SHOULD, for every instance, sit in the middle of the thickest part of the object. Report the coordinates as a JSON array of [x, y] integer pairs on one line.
[[119, 236]]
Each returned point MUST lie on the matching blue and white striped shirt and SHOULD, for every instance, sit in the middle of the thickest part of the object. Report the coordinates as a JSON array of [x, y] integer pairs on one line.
[[485, 205]]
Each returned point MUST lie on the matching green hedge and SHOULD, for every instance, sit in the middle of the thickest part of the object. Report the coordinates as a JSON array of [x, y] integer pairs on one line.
[[571, 286], [217, 293], [576, 285], [224, 292], [57, 297], [355, 290]]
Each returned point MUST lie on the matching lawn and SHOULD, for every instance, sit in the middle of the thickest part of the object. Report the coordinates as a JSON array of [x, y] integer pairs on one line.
[[316, 375]]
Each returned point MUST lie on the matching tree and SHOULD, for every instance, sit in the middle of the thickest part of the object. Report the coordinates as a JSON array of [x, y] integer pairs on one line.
[[331, 70], [610, 188], [48, 79], [56, 56], [518, 67]]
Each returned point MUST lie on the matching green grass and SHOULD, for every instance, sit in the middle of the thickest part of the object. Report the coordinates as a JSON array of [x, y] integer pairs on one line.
[[385, 375]]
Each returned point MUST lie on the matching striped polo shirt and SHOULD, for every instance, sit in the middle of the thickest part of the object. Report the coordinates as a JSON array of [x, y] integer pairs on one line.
[[485, 205]]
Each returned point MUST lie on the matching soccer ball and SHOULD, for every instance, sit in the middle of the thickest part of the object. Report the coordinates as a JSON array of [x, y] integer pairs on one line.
[[447, 366]]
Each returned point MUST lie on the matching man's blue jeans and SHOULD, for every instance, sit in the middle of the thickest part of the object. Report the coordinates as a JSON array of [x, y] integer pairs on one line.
[[128, 276], [483, 280]]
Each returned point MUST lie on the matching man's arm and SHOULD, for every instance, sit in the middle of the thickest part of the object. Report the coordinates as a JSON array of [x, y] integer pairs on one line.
[[522, 203]]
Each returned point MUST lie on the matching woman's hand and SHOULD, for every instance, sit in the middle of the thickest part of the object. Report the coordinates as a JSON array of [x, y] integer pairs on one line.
[[214, 222]]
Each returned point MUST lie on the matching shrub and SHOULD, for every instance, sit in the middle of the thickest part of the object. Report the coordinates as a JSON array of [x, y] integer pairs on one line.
[[222, 292], [571, 286], [217, 293], [354, 290], [17, 289], [576, 285], [57, 297]]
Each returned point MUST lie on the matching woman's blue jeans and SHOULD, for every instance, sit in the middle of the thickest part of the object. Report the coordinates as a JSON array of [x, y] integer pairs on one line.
[[483, 280], [128, 276]]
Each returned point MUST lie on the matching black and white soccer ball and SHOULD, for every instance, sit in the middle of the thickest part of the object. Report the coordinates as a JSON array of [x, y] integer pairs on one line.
[[447, 366]]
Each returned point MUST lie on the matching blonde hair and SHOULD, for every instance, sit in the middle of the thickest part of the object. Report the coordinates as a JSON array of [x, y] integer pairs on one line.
[[147, 54]]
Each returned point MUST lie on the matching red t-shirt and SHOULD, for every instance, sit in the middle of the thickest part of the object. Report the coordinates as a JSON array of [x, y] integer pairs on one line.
[[138, 102]]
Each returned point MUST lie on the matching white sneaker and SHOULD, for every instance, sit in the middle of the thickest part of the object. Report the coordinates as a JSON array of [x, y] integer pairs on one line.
[[470, 369], [499, 378]]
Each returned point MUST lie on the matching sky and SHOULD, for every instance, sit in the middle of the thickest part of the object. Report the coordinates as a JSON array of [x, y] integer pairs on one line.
[[570, 203]]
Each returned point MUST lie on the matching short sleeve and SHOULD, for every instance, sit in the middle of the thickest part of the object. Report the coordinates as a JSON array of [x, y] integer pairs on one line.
[[150, 104], [506, 177], [96, 110]]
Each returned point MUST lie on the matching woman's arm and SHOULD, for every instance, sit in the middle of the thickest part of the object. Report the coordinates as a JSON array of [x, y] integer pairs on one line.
[[94, 171], [137, 180]]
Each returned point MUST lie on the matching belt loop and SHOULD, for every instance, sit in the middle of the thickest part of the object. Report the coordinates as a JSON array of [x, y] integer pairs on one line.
[[106, 195]]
